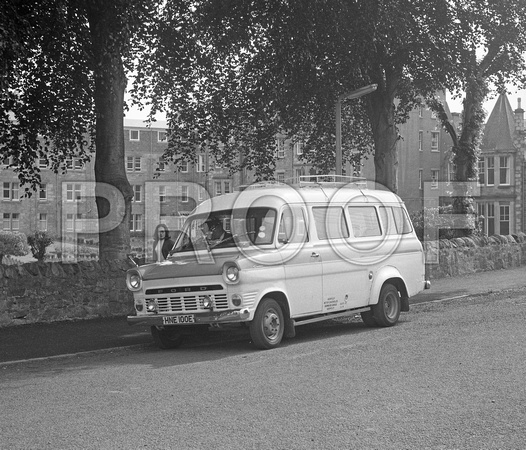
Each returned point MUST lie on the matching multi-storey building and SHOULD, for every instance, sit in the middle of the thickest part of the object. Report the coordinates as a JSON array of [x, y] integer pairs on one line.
[[424, 154], [65, 204], [501, 174]]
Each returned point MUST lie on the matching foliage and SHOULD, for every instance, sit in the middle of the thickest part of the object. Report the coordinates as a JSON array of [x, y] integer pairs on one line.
[[486, 42], [38, 243], [63, 77], [261, 68], [12, 244], [428, 220]]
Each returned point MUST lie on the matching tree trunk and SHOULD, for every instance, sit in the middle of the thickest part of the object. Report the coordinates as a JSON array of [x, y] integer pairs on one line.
[[113, 191], [381, 111]]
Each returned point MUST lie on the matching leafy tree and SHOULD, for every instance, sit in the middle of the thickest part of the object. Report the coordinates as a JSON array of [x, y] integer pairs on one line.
[[38, 243], [485, 42], [267, 67], [12, 244], [63, 78]]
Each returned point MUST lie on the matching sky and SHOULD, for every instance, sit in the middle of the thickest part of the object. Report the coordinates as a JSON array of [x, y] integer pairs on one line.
[[513, 95]]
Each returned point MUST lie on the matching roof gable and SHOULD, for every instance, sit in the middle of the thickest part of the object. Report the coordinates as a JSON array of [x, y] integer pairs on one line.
[[500, 128]]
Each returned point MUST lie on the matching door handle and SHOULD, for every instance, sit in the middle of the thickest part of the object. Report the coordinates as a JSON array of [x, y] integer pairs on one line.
[[315, 255]]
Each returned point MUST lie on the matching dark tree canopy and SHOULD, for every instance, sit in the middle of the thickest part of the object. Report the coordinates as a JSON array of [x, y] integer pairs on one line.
[[64, 66]]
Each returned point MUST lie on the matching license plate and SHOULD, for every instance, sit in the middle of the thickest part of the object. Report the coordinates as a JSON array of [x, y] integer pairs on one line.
[[176, 320]]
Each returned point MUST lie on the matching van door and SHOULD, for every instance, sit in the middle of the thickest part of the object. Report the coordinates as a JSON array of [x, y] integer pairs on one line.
[[345, 281], [301, 262]]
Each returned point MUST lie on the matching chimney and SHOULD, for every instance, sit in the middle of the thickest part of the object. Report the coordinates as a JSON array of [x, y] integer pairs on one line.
[[519, 116]]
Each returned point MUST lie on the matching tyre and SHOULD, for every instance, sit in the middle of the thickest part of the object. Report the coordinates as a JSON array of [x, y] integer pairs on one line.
[[166, 337], [387, 311], [368, 319], [266, 330]]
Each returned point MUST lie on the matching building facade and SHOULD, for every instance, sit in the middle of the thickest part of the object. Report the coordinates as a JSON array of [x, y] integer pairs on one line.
[[501, 171]]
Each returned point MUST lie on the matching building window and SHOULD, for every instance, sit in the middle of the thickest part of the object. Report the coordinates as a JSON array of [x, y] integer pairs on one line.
[[201, 166], [490, 214], [184, 166], [504, 218], [298, 148], [133, 163], [217, 188], [73, 193], [137, 193], [280, 177], [490, 171], [136, 222], [420, 179], [451, 171], [227, 187], [280, 148], [42, 163], [161, 164], [421, 140], [134, 135], [162, 194], [504, 170], [42, 192], [434, 178], [420, 111], [42, 222], [482, 172], [434, 141], [161, 136], [11, 221], [184, 193], [10, 191], [79, 164]]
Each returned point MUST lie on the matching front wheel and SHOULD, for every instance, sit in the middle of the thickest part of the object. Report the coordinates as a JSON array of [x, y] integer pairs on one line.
[[166, 337], [387, 311], [266, 330]]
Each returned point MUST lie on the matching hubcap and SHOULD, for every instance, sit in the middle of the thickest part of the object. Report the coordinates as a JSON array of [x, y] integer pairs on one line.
[[390, 305], [271, 324]]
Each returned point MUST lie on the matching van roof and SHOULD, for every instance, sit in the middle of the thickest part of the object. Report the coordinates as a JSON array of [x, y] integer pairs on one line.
[[277, 194]]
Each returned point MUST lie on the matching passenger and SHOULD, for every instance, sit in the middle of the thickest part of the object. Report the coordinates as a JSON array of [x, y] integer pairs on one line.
[[215, 234], [162, 243]]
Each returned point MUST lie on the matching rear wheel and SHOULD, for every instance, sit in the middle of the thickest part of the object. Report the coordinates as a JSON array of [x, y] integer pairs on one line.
[[387, 311], [166, 337], [266, 330]]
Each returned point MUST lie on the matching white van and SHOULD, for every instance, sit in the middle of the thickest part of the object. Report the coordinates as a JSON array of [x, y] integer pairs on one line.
[[273, 257]]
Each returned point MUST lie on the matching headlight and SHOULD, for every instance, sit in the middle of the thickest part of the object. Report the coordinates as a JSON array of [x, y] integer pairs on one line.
[[231, 273], [134, 281]]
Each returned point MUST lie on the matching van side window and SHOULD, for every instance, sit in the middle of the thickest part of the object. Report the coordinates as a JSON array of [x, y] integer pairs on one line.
[[395, 220], [364, 221], [292, 226], [330, 222]]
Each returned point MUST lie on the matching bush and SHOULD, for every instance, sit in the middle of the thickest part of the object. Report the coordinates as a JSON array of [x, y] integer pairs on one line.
[[432, 218], [38, 242], [12, 244]]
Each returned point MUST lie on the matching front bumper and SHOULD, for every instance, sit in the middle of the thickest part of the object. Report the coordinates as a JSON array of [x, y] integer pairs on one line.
[[207, 318]]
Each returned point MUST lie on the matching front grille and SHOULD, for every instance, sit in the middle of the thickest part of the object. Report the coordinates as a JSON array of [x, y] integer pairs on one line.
[[190, 303]]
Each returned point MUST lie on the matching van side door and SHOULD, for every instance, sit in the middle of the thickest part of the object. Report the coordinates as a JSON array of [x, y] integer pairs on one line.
[[302, 264]]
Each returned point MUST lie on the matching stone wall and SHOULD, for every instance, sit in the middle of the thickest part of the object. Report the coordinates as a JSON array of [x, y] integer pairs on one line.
[[462, 256], [54, 291]]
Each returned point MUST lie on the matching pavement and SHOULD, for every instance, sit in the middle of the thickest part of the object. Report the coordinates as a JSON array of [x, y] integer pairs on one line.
[[44, 340]]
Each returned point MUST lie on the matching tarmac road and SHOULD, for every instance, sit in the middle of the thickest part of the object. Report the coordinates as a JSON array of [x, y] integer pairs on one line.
[[449, 376], [64, 338]]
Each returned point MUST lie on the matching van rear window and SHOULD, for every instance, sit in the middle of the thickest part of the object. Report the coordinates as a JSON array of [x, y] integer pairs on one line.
[[395, 220]]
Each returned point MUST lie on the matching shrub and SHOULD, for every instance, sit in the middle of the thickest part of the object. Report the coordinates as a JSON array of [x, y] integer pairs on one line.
[[38, 242], [12, 244]]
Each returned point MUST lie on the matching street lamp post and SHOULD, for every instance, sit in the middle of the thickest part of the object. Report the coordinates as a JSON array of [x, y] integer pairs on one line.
[[352, 95]]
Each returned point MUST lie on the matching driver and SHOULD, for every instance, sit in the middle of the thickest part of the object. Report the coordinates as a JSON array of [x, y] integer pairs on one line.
[[214, 232]]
